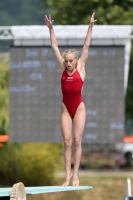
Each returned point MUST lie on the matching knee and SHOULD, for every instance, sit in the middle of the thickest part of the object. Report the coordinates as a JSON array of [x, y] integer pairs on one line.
[[67, 143], [77, 142]]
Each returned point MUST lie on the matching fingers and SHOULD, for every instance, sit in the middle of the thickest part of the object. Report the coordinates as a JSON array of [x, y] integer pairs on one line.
[[45, 17], [92, 18], [48, 17], [48, 21], [93, 14]]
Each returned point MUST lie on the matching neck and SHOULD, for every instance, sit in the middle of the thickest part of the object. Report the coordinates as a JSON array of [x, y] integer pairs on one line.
[[70, 70]]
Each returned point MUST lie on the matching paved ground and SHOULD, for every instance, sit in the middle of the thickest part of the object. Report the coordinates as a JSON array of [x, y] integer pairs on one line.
[[100, 173]]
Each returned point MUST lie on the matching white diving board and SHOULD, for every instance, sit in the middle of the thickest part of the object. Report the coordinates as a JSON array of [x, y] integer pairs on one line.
[[18, 190], [45, 189]]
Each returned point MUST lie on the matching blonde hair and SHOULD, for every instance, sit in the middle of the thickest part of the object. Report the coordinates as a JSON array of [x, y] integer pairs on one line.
[[70, 51]]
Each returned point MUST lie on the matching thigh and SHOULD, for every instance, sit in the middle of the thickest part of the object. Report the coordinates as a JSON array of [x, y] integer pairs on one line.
[[66, 124], [79, 121]]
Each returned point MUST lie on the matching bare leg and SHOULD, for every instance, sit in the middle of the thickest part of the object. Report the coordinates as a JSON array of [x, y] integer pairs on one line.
[[79, 123], [66, 126]]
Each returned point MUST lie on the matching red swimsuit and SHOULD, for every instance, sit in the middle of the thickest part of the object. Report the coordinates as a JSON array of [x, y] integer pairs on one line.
[[71, 90]]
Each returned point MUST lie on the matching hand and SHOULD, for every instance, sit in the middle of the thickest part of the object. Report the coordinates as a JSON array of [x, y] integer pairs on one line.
[[48, 21], [92, 18]]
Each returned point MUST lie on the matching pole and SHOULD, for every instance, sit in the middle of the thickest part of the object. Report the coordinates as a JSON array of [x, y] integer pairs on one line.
[[128, 190]]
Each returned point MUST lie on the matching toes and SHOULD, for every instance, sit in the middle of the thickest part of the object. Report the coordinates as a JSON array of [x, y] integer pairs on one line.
[[76, 182], [66, 183]]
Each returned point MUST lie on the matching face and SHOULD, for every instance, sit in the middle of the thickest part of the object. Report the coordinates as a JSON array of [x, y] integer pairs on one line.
[[70, 62]]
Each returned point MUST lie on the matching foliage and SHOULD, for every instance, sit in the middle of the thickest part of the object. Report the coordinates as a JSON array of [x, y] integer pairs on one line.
[[31, 12], [129, 101], [74, 13], [4, 96], [21, 13], [33, 164], [129, 97]]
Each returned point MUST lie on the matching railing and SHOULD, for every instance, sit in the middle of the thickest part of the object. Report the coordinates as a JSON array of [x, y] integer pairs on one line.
[[128, 190]]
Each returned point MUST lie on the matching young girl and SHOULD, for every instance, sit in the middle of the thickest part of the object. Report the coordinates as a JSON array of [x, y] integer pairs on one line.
[[73, 108]]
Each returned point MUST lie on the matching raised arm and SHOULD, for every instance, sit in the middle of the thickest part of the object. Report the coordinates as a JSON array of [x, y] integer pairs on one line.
[[53, 40], [85, 50]]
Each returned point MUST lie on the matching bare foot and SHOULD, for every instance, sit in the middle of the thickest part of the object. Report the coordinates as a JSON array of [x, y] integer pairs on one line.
[[68, 178], [75, 181]]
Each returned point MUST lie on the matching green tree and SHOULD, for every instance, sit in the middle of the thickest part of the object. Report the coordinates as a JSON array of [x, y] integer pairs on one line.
[[78, 12], [129, 99], [33, 164], [21, 13], [4, 96]]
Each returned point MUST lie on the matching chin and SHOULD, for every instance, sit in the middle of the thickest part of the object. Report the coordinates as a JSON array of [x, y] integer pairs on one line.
[[70, 69]]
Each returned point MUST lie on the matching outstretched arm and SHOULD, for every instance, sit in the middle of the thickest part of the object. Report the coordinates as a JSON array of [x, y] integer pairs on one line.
[[53, 40], [84, 54]]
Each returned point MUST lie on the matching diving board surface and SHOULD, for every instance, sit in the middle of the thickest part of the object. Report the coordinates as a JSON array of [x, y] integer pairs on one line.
[[4, 192]]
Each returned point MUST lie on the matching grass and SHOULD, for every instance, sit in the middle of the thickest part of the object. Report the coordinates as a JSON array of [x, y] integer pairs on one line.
[[108, 186]]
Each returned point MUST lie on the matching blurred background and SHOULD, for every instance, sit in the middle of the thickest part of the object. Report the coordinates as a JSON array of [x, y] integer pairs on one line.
[[31, 146]]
